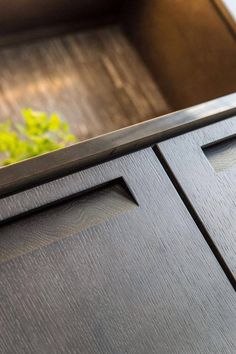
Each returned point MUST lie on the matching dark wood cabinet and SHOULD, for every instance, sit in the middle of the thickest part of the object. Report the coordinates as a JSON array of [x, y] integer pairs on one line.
[[125, 243], [101, 253]]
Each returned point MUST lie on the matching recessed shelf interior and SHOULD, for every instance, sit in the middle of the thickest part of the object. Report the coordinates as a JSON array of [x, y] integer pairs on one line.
[[104, 65], [93, 78]]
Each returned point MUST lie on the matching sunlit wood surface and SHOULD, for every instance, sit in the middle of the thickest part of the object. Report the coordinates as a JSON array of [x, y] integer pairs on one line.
[[93, 79]]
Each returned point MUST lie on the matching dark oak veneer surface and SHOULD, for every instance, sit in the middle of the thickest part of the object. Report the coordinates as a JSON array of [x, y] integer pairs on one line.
[[143, 281], [211, 189]]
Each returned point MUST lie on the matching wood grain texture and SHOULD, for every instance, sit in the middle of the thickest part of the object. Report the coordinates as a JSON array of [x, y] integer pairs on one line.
[[93, 151], [186, 44], [212, 194], [222, 155], [93, 79], [63, 220], [142, 282]]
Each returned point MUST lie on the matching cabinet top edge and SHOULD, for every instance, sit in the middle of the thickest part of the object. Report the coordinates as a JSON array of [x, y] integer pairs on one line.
[[105, 147]]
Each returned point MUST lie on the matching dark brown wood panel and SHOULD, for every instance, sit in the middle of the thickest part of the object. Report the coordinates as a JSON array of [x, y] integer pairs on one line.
[[93, 79], [143, 281], [188, 45], [210, 190]]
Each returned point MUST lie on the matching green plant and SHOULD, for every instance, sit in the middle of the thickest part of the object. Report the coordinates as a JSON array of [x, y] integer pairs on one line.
[[38, 134]]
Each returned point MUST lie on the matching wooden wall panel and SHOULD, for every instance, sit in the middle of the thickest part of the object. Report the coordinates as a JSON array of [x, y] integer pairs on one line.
[[188, 46]]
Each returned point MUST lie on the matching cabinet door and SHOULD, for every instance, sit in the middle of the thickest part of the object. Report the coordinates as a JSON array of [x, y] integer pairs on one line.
[[204, 164], [119, 268]]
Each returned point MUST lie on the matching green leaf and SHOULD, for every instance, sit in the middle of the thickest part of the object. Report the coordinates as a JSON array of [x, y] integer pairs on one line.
[[38, 134]]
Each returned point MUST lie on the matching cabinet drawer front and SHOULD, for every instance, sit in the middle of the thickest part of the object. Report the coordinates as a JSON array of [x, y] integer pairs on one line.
[[204, 164], [139, 278]]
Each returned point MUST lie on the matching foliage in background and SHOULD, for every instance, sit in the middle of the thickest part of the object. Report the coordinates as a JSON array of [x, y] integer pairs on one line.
[[38, 134]]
